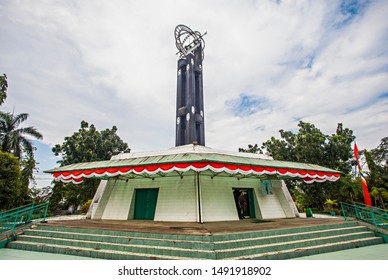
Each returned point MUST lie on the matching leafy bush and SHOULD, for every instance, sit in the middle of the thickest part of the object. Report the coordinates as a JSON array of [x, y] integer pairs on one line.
[[85, 207]]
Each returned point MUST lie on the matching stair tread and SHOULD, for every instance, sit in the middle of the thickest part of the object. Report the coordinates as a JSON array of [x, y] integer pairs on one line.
[[117, 244], [287, 235], [304, 248], [290, 242], [106, 251], [122, 236]]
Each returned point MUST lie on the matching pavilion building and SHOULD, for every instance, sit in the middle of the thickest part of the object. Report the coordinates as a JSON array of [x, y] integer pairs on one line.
[[191, 182]]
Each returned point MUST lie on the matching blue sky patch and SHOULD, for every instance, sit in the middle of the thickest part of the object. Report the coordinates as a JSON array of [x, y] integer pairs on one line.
[[352, 7], [297, 118], [349, 10], [370, 102], [383, 96], [247, 105], [297, 61]]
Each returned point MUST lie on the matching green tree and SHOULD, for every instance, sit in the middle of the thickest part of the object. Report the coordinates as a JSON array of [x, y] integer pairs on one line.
[[377, 177], [3, 88], [380, 195], [40, 195], [13, 139], [85, 145], [310, 145], [380, 154], [254, 149], [349, 190], [89, 144], [9, 181]]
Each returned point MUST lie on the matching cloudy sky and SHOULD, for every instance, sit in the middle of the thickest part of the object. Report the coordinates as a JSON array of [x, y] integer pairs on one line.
[[268, 64]]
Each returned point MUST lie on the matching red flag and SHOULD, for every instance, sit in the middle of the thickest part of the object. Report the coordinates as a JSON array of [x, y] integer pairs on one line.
[[367, 199], [356, 152]]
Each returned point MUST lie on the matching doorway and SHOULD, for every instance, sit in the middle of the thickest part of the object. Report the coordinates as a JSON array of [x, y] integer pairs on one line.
[[245, 206], [145, 203]]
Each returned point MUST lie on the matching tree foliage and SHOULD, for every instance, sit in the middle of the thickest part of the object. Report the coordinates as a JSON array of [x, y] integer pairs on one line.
[[3, 88], [89, 144], [380, 154], [9, 181], [255, 149], [311, 145], [85, 145], [13, 139], [377, 178]]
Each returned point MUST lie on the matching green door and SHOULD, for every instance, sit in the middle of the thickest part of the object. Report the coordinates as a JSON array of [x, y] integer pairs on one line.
[[145, 203], [252, 213]]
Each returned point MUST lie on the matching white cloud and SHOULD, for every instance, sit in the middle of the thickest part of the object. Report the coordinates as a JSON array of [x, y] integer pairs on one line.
[[114, 63]]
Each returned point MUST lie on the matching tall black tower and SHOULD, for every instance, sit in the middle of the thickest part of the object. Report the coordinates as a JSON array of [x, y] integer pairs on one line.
[[190, 124]]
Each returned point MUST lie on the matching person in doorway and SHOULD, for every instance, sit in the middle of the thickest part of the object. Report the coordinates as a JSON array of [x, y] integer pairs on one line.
[[242, 203]]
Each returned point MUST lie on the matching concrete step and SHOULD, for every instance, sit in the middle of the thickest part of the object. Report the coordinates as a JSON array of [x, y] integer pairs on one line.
[[244, 242], [91, 253], [313, 250], [289, 245], [274, 232], [110, 246], [127, 234], [147, 241]]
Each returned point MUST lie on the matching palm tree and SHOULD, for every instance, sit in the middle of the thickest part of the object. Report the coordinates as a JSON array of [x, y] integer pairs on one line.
[[12, 138], [330, 203], [379, 194]]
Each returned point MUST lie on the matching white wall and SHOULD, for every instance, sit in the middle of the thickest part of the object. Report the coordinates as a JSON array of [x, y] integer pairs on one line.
[[276, 205], [96, 199], [217, 199], [117, 207], [177, 199], [279, 191], [104, 199]]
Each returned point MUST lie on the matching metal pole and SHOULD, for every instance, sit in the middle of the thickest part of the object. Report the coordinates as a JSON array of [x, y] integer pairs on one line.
[[199, 199], [14, 222], [45, 212], [31, 212], [343, 211]]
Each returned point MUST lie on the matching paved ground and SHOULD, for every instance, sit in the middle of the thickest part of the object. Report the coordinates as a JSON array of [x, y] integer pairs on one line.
[[376, 252], [12, 254]]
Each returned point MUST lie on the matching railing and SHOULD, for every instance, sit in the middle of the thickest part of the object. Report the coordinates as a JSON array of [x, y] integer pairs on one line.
[[376, 216], [12, 220], [376, 210], [15, 209]]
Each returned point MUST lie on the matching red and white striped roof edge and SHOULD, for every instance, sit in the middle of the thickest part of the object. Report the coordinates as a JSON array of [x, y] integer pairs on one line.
[[193, 158]]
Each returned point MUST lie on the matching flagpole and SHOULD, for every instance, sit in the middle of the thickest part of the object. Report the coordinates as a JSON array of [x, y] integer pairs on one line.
[[364, 186]]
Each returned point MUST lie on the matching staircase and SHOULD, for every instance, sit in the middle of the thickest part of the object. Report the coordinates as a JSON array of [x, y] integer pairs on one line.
[[15, 220], [266, 244]]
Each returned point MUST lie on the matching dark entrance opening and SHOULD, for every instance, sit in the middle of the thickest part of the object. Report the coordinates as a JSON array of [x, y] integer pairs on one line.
[[245, 206], [145, 203]]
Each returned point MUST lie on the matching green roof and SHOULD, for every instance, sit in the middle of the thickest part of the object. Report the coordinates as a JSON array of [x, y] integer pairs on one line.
[[243, 159]]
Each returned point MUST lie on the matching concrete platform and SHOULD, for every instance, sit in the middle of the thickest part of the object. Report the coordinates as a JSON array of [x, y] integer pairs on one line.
[[211, 228]]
